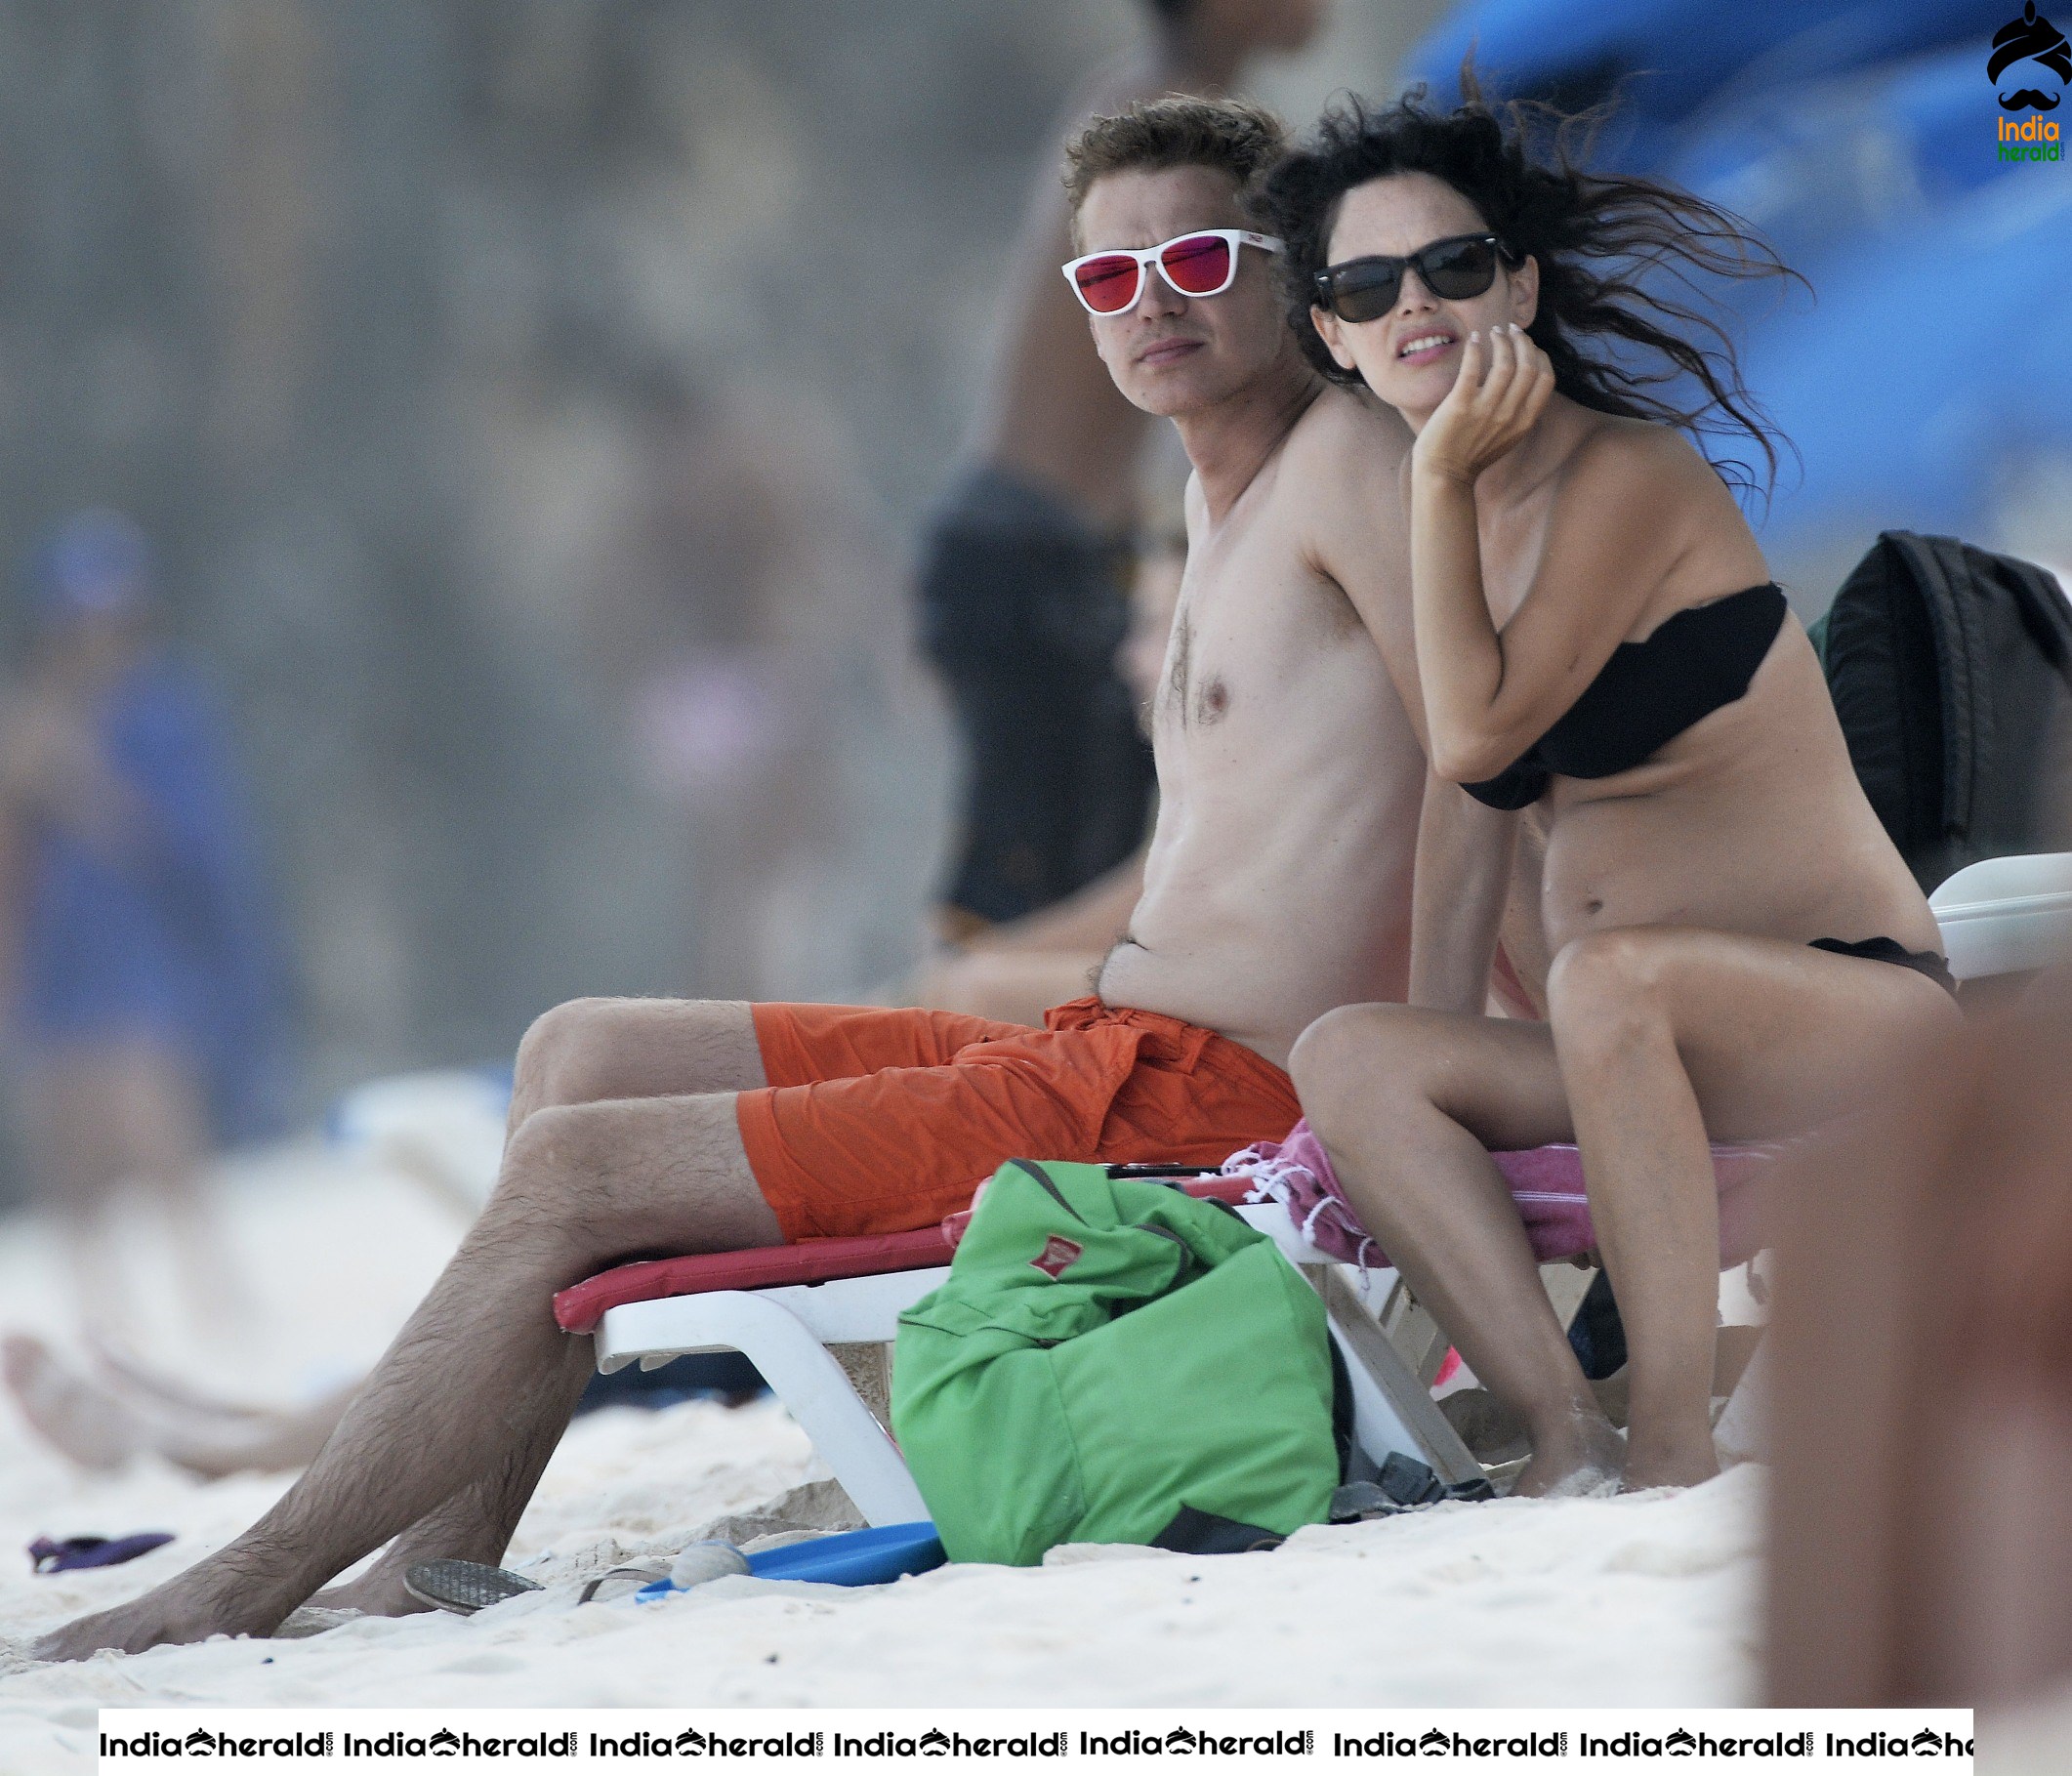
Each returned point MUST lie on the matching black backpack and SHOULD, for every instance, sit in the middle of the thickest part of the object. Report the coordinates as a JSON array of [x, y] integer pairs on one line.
[[1951, 669]]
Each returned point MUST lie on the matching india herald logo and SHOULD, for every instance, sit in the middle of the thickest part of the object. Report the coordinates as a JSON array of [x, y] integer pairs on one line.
[[1057, 1254], [2031, 64]]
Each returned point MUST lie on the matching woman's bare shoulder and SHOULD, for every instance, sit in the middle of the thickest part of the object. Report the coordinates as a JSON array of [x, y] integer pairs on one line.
[[1649, 487], [1636, 453]]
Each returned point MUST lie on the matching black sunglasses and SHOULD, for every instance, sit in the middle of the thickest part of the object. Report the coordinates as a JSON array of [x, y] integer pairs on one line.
[[1455, 269]]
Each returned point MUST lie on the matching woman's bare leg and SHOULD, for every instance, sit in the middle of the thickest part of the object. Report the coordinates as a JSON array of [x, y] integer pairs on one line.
[[1666, 1035], [1659, 1036], [1409, 1104]]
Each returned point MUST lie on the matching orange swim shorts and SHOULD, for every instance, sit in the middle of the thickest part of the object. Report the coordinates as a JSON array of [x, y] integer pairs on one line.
[[876, 1120]]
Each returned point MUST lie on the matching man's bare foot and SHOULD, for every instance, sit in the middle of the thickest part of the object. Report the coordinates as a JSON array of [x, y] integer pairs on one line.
[[1578, 1454], [378, 1592], [1689, 1461], [71, 1413], [306, 1620], [191, 1607]]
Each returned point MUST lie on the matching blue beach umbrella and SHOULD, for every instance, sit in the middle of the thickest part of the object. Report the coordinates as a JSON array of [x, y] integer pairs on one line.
[[1813, 165], [1676, 57], [1935, 352], [1938, 356]]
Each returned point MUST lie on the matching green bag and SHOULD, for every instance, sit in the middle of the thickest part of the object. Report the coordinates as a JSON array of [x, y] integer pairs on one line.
[[1113, 1360]]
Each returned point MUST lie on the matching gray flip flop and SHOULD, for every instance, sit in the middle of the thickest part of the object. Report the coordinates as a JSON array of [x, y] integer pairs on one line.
[[464, 1586], [622, 1582]]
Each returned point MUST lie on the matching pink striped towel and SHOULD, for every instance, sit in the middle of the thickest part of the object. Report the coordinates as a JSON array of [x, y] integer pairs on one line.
[[1546, 1184]]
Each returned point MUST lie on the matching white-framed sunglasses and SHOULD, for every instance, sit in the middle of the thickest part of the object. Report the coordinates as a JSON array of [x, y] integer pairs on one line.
[[1201, 263]]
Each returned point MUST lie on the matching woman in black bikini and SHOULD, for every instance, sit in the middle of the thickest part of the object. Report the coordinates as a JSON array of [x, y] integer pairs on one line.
[[1592, 637]]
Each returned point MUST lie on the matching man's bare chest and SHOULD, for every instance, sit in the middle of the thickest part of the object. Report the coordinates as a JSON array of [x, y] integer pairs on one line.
[[1253, 626]]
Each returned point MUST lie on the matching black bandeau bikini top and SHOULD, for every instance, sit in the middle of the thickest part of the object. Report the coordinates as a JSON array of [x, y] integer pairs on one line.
[[1697, 660]]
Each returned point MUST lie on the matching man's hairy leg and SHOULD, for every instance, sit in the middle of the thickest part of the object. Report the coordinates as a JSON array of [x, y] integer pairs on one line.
[[586, 1050], [581, 1052], [476, 1522], [480, 1377]]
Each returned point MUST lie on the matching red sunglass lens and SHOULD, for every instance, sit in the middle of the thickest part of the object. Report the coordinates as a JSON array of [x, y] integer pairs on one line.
[[1107, 283], [1199, 264]]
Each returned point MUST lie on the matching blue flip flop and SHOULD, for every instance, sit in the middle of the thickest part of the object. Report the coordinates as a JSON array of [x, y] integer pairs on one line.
[[859, 1557]]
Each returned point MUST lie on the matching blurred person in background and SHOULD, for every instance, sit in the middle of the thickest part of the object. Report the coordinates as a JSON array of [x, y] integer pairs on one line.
[[136, 944], [1920, 1433], [1014, 972], [115, 1408], [748, 621], [1024, 583]]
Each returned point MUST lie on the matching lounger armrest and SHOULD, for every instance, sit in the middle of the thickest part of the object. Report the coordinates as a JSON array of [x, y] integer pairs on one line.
[[807, 1264], [2005, 915]]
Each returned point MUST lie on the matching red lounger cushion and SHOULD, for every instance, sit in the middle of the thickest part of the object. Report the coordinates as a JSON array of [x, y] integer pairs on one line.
[[580, 1308]]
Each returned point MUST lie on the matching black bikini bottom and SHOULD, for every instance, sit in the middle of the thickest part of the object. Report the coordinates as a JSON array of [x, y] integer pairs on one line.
[[1886, 949]]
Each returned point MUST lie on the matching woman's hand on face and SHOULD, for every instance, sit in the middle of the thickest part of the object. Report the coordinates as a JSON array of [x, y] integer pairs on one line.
[[1503, 388]]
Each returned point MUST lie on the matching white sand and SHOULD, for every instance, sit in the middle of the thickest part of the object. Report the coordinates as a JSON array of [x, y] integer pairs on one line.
[[1646, 1601]]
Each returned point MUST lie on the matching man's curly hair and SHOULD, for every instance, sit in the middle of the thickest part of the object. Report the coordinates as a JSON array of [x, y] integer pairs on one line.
[[1599, 239], [1232, 136]]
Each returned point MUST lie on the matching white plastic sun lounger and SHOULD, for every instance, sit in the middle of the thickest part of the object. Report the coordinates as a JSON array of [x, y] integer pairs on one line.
[[796, 1310], [851, 1293]]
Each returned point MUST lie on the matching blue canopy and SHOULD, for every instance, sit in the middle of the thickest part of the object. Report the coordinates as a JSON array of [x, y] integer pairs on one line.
[[1858, 137], [1935, 358], [1810, 164], [1686, 53], [1883, 189]]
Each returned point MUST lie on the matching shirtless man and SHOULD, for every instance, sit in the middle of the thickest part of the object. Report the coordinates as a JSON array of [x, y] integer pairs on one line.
[[1277, 886], [1022, 582]]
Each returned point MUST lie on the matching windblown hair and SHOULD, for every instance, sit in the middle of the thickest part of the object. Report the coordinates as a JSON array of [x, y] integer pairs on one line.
[[1598, 239], [1230, 135]]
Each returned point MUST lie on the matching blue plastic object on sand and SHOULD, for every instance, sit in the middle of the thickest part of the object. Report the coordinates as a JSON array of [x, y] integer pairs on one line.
[[860, 1557], [77, 1552]]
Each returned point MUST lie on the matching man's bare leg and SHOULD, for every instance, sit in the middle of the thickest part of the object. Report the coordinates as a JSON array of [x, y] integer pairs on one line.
[[481, 1370], [476, 1522], [66, 1410], [585, 1050], [580, 1051], [108, 1118], [78, 1162], [155, 1101], [593, 1049]]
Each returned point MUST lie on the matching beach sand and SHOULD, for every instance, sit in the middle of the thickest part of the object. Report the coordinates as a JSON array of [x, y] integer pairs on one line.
[[1647, 1600]]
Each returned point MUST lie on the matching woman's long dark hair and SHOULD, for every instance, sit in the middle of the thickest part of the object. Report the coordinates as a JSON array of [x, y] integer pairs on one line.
[[1596, 236]]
